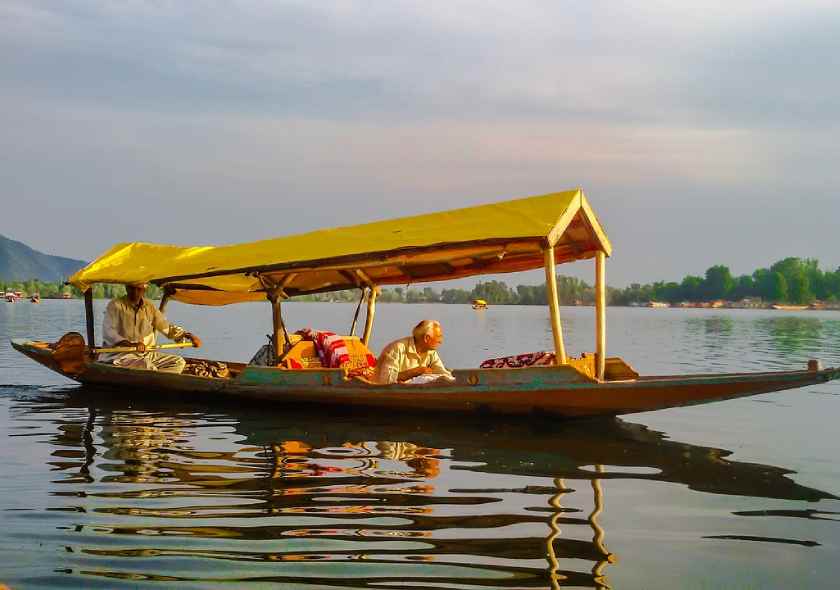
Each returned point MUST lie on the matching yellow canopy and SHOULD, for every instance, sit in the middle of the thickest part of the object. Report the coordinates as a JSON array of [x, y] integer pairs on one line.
[[500, 237]]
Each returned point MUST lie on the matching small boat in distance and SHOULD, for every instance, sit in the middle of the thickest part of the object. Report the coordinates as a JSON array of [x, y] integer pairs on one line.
[[35, 298], [10, 296], [783, 307], [479, 304], [510, 236], [66, 295], [657, 304]]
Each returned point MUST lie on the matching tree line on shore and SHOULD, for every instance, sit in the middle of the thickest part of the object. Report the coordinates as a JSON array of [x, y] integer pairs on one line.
[[791, 280], [57, 289]]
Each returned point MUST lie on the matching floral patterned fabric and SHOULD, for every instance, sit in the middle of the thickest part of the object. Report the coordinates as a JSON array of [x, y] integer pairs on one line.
[[530, 359]]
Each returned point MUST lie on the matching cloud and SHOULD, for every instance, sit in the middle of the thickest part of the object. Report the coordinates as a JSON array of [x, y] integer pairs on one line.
[[651, 63], [690, 126]]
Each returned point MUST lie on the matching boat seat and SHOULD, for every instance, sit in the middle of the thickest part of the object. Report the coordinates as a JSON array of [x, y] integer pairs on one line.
[[301, 356], [304, 355], [615, 368], [584, 365]]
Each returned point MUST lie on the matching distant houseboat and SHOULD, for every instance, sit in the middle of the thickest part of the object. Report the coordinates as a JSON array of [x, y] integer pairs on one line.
[[781, 307], [746, 303], [656, 304], [479, 304], [66, 295]]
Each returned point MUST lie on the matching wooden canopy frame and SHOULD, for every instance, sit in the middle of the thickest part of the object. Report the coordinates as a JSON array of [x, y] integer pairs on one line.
[[510, 236]]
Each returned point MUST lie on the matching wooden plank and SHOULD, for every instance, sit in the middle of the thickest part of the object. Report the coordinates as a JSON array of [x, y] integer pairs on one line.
[[554, 307], [351, 278], [287, 280], [351, 261], [600, 315], [363, 275]]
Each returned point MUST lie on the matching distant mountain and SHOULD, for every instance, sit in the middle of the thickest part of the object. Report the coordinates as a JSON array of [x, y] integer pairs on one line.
[[19, 262]]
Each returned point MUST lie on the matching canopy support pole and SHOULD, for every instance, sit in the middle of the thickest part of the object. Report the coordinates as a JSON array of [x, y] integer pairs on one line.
[[280, 337], [275, 295], [554, 307], [371, 310], [356, 315], [277, 323], [600, 315], [89, 317]]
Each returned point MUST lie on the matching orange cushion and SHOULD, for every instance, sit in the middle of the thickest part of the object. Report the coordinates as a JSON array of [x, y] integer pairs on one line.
[[361, 361], [302, 356]]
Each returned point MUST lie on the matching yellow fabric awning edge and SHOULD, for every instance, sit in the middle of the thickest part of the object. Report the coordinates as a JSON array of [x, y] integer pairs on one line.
[[225, 274]]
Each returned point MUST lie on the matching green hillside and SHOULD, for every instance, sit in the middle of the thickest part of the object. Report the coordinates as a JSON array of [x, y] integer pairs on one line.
[[19, 262]]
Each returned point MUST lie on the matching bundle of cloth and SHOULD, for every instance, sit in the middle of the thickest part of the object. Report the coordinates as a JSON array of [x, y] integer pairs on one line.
[[265, 356], [203, 368], [530, 359]]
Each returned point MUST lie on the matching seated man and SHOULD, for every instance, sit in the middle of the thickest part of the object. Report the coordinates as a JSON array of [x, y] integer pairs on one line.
[[406, 359], [132, 321]]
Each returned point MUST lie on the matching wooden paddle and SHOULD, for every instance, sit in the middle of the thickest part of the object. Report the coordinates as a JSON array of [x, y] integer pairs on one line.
[[70, 352], [95, 350]]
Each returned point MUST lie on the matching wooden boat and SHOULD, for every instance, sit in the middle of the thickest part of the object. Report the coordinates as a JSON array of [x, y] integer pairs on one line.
[[784, 307], [36, 298], [510, 236], [479, 304]]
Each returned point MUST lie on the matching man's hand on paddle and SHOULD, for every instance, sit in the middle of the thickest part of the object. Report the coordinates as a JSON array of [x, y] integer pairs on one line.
[[194, 339]]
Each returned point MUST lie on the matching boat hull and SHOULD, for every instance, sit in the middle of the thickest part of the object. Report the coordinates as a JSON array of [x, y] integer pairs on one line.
[[561, 391]]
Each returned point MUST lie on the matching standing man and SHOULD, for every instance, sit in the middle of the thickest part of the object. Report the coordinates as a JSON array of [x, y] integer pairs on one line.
[[406, 359], [132, 321]]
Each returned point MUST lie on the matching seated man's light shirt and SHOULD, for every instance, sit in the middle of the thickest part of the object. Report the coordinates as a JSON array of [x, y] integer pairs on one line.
[[124, 321], [401, 355]]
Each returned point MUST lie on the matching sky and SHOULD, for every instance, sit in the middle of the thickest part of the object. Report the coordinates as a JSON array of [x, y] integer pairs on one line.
[[702, 133]]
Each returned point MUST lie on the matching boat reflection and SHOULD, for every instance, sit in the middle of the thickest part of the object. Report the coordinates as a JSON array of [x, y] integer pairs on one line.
[[360, 500]]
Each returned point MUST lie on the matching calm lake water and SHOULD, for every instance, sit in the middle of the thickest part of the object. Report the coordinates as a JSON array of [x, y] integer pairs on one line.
[[100, 491]]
